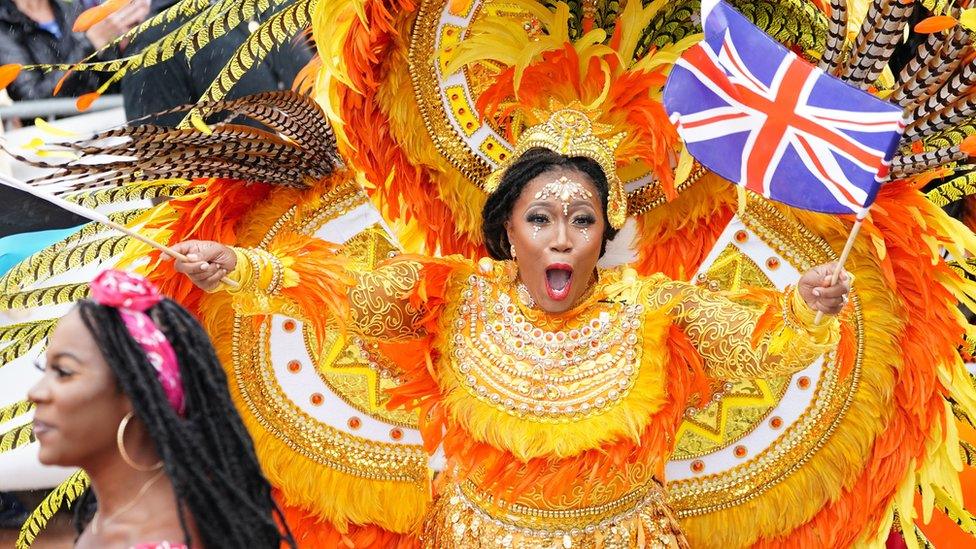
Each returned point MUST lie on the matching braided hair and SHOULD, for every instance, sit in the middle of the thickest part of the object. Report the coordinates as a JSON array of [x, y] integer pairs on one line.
[[532, 163], [208, 455]]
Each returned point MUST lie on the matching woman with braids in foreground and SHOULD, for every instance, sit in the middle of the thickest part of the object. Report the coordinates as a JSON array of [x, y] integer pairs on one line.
[[133, 394]]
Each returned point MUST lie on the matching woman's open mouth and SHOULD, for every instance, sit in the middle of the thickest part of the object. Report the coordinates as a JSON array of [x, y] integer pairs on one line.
[[41, 429], [559, 279]]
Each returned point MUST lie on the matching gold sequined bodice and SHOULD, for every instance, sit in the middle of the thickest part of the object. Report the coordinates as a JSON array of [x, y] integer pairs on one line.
[[544, 367]]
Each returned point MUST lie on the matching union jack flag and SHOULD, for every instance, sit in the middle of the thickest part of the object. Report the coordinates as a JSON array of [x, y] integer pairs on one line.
[[758, 115]]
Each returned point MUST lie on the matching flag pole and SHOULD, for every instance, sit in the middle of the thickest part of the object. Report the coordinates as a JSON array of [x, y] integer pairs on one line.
[[98, 217], [848, 246]]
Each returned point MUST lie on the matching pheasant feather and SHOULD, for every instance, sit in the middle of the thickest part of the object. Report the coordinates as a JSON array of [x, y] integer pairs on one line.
[[953, 190], [66, 493], [278, 29], [934, 61], [836, 36], [16, 409], [21, 435], [881, 31]]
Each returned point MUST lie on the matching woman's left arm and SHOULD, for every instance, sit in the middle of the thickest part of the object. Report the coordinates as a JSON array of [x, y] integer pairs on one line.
[[739, 340]]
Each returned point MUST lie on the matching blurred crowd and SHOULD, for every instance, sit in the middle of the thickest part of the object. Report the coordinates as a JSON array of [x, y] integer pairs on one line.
[[40, 32]]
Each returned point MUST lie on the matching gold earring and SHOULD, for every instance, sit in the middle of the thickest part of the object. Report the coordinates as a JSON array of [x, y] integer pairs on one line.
[[120, 441], [512, 251]]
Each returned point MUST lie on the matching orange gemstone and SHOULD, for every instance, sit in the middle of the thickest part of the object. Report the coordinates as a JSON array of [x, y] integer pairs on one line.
[[289, 325], [469, 125], [355, 423], [317, 399], [396, 434], [740, 451], [502, 156], [776, 422], [462, 110], [741, 236], [697, 466], [490, 146], [803, 382], [773, 263], [294, 366]]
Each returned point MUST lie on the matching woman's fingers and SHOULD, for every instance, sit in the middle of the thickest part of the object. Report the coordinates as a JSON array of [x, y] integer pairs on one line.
[[836, 290], [212, 279], [205, 262]]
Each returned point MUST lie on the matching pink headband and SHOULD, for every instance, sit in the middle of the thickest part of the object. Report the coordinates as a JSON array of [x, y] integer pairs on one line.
[[132, 295]]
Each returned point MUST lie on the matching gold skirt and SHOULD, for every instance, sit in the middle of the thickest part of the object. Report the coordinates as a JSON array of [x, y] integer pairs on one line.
[[463, 517]]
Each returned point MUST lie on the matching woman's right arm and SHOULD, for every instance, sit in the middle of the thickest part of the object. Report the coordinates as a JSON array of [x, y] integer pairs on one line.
[[307, 278]]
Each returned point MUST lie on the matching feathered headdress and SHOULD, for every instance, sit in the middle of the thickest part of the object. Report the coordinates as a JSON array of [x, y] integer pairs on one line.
[[571, 133], [598, 95]]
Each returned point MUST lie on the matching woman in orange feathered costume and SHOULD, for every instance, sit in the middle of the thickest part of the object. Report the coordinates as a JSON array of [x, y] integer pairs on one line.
[[556, 388]]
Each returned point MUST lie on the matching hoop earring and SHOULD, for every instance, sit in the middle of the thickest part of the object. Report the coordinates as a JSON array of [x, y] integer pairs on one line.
[[120, 442]]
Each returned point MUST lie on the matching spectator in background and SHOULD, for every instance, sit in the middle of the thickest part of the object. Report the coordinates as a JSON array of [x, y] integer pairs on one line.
[[12, 512], [39, 32], [176, 82]]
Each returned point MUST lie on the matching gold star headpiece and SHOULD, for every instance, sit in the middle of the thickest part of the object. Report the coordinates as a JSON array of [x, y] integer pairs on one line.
[[570, 132]]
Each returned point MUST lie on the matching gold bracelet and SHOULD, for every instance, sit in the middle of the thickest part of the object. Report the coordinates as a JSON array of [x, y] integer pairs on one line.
[[253, 284], [277, 275], [789, 316], [262, 259]]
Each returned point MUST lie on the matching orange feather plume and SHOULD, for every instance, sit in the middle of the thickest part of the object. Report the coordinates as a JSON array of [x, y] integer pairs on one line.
[[936, 23], [97, 14], [84, 102], [9, 73]]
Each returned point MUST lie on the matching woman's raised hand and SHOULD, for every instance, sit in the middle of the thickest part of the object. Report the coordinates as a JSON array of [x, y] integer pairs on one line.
[[208, 262], [815, 288]]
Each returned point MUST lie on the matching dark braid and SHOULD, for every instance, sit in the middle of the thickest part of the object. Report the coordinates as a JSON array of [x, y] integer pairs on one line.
[[208, 455], [532, 163]]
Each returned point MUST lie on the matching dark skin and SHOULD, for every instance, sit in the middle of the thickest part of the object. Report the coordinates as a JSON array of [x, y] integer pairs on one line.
[[544, 233], [79, 408], [560, 240]]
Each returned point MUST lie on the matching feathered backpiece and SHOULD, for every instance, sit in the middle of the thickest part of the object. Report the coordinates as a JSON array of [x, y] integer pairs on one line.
[[934, 86], [297, 147]]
